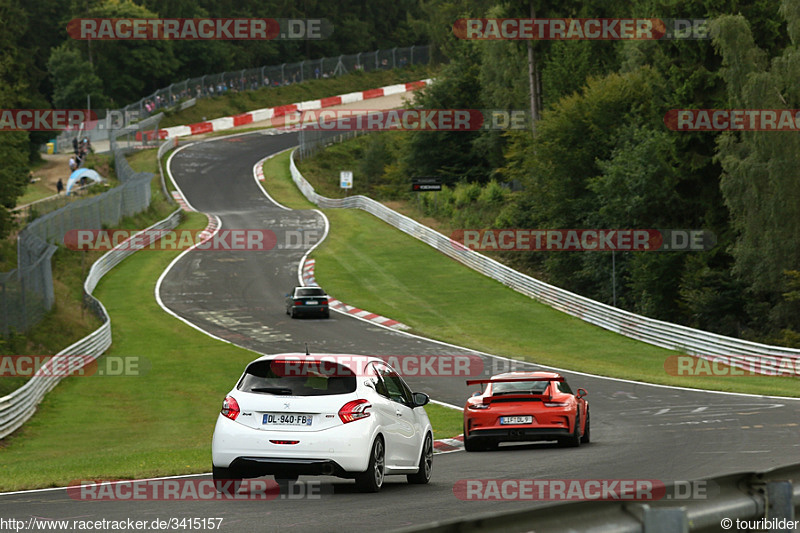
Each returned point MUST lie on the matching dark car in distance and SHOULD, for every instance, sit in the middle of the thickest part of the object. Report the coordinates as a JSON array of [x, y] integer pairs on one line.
[[307, 301]]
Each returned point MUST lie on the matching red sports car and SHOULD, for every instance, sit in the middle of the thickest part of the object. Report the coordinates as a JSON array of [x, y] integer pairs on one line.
[[525, 406]]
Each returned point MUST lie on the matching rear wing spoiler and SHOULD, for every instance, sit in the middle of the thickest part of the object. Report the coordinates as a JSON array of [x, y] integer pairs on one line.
[[510, 380]]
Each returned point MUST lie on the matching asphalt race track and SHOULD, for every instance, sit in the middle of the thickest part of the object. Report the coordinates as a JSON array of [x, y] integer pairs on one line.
[[638, 431]]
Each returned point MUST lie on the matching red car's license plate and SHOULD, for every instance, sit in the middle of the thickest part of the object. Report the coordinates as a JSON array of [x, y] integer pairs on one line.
[[516, 419]]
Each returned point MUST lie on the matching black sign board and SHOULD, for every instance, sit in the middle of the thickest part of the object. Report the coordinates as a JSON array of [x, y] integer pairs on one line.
[[426, 184]]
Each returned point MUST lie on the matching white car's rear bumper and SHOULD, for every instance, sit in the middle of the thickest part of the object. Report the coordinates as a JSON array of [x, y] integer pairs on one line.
[[346, 446]]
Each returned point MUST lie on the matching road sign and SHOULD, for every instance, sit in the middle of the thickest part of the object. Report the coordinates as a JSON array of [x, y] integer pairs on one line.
[[346, 179], [426, 184]]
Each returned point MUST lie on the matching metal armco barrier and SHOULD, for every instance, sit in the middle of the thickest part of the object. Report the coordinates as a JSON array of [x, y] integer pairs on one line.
[[19, 406], [165, 147], [772, 496], [684, 339]]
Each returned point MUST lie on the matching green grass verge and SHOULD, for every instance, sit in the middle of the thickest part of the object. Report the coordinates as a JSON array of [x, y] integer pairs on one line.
[[278, 181], [371, 265], [446, 422], [235, 103], [36, 191]]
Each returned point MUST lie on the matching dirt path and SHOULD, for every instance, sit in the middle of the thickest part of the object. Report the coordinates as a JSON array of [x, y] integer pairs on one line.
[[56, 166]]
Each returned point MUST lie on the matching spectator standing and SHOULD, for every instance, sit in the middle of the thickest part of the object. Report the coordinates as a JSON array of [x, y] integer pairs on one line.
[[73, 164], [60, 186]]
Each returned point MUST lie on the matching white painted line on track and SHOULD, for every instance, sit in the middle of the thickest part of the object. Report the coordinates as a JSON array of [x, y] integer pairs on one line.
[[51, 489]]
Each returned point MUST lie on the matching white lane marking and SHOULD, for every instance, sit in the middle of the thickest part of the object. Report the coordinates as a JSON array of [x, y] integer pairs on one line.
[[169, 173], [728, 452], [163, 275], [260, 186], [51, 489], [443, 404]]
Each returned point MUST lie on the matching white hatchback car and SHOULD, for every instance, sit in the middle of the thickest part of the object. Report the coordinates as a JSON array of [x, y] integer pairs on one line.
[[349, 416]]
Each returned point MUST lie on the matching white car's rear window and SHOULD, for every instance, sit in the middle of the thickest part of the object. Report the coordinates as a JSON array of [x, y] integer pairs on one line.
[[293, 378]]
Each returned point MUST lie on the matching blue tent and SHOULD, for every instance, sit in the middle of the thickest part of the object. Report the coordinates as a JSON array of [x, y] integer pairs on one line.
[[76, 176]]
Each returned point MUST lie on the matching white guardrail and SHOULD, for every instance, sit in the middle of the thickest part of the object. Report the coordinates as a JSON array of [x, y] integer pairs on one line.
[[19, 406], [703, 344]]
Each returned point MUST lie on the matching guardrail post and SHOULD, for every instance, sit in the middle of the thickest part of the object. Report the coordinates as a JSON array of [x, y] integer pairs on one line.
[[23, 300], [779, 503], [301, 71], [5, 310], [283, 76], [664, 520], [394, 57], [411, 56]]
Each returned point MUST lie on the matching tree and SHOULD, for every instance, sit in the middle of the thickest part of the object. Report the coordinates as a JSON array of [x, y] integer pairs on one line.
[[761, 169], [73, 79], [14, 146], [130, 69]]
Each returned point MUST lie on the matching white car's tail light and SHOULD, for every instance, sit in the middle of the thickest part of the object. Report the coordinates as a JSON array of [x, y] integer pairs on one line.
[[230, 408], [355, 410]]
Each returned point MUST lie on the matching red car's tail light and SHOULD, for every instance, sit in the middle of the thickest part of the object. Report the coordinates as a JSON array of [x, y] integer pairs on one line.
[[355, 410], [478, 405], [556, 404], [230, 408]]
